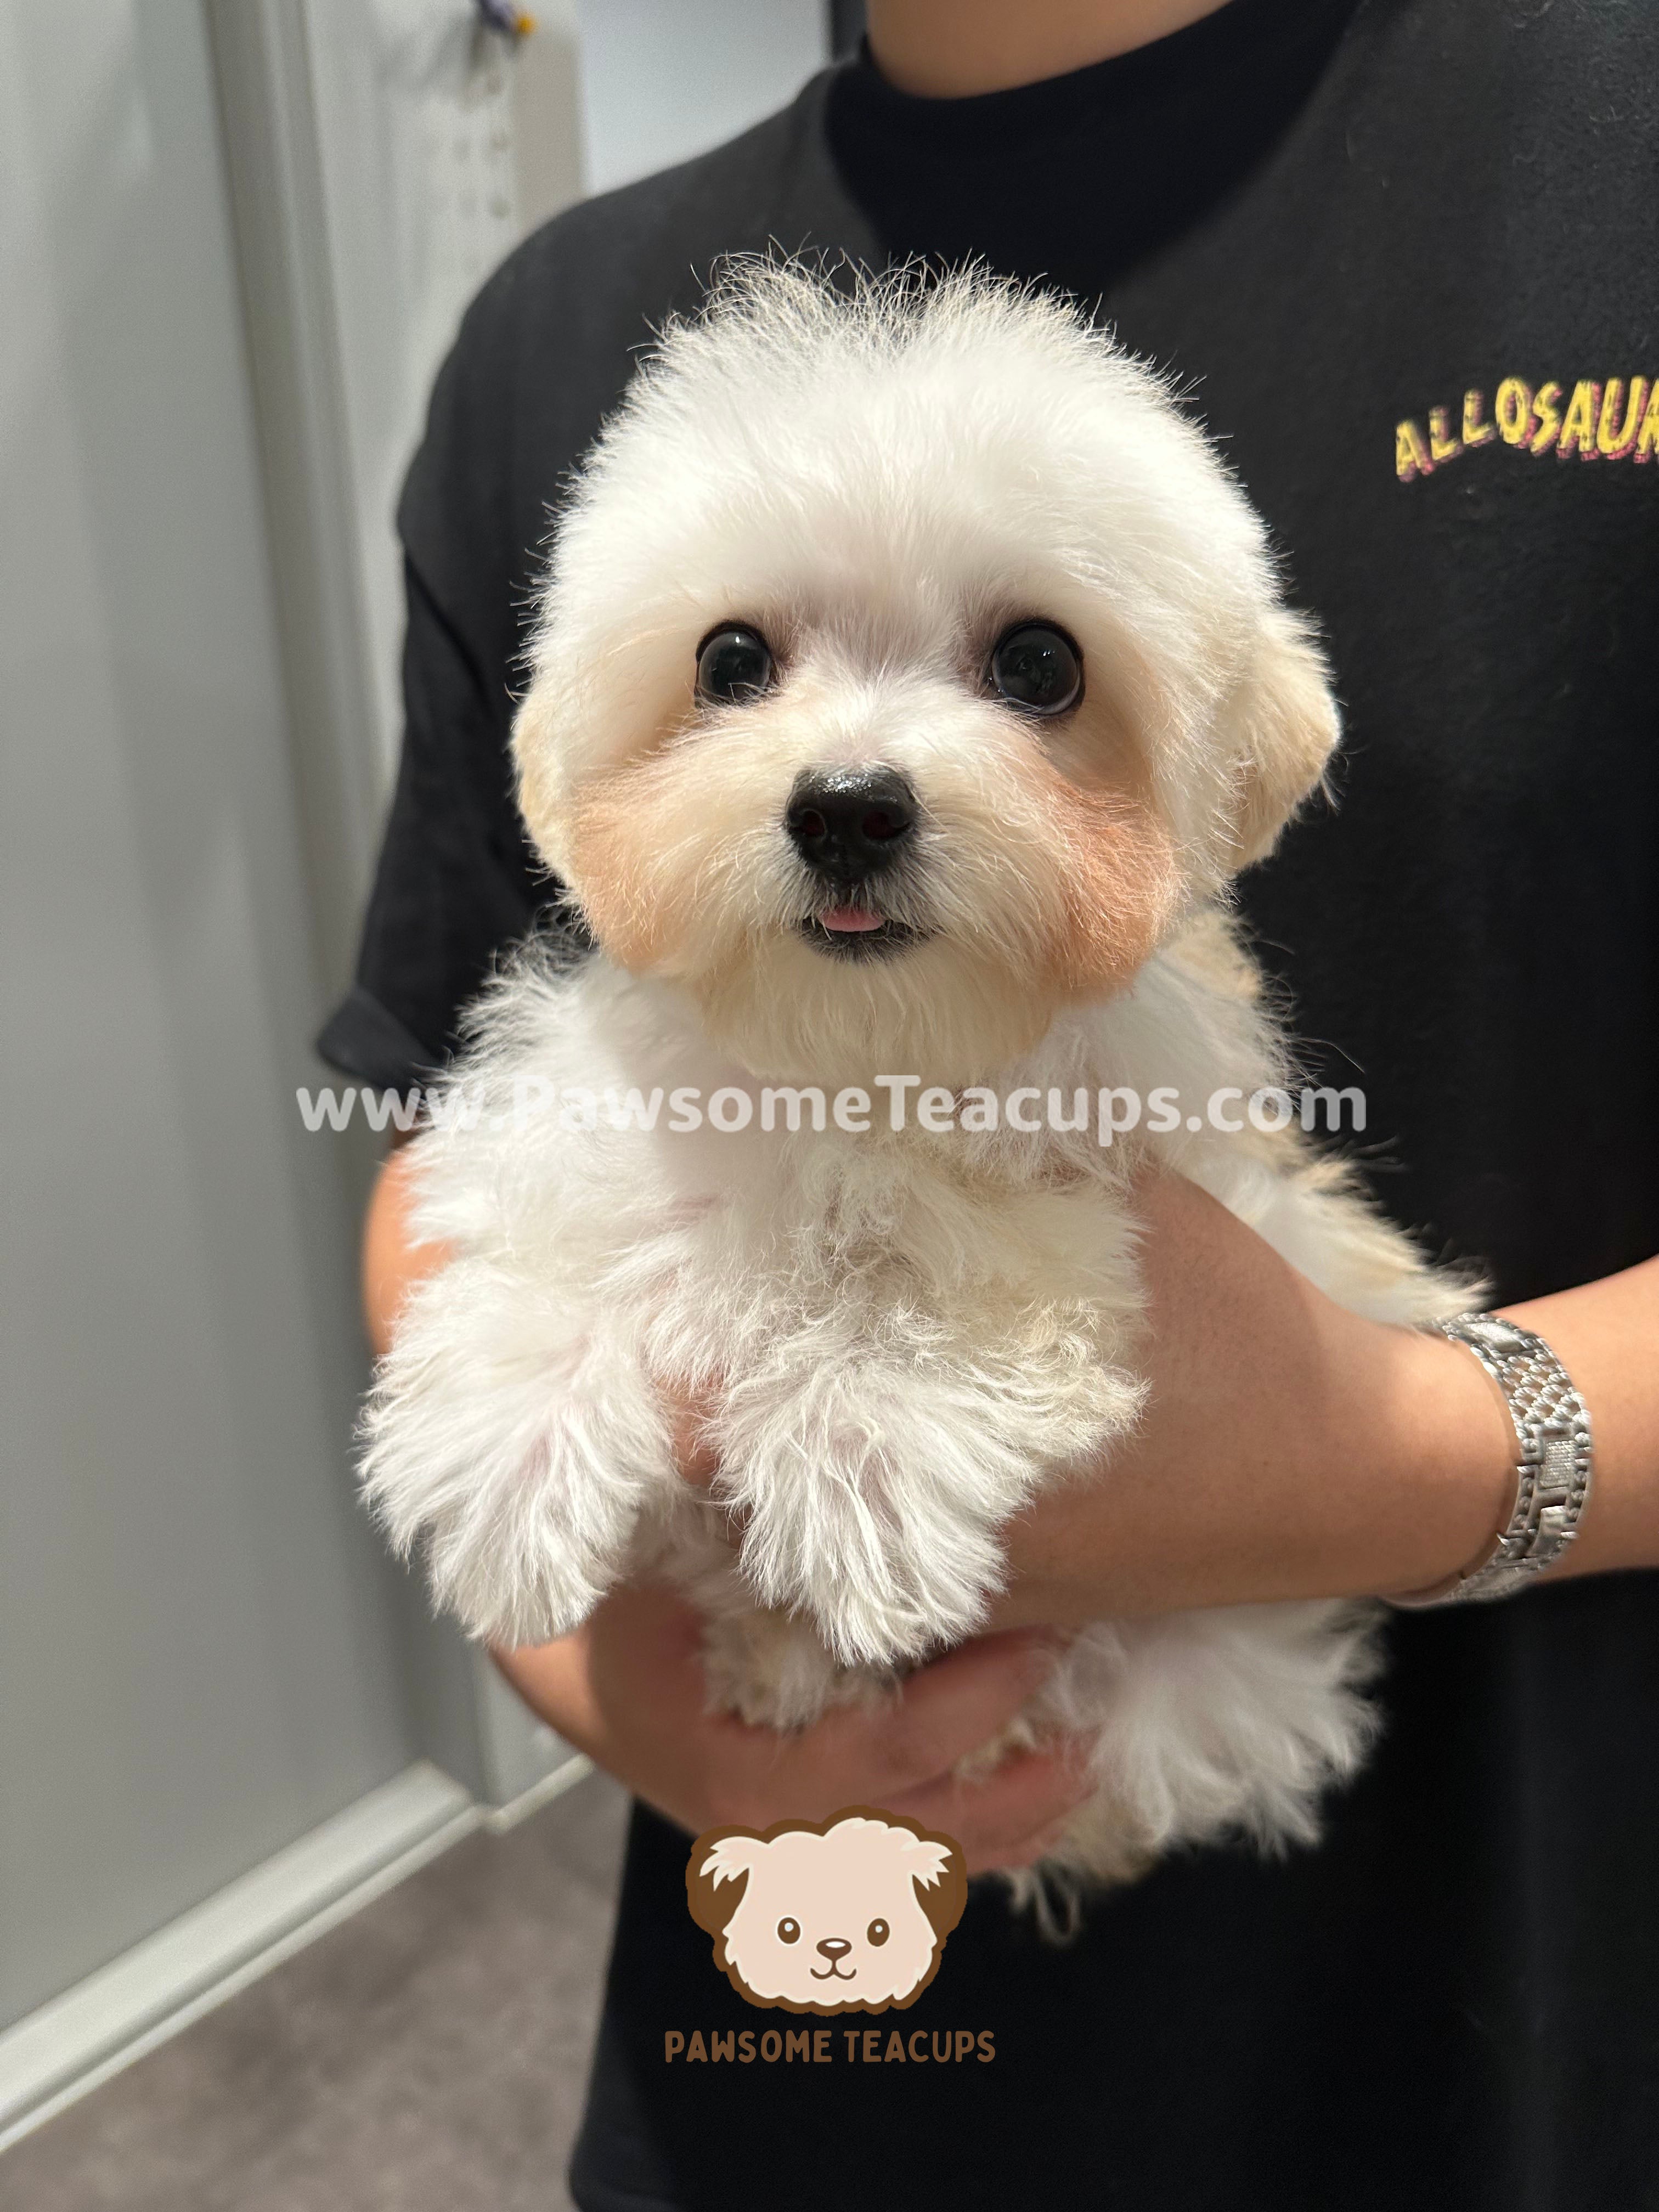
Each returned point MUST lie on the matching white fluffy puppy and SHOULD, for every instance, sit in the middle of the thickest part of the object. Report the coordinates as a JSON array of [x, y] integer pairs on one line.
[[911, 681]]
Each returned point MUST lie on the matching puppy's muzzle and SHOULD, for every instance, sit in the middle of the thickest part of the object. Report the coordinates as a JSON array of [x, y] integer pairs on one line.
[[853, 830], [851, 825]]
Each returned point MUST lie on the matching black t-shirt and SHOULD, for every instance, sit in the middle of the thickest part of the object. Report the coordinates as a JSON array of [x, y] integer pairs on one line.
[[1404, 257]]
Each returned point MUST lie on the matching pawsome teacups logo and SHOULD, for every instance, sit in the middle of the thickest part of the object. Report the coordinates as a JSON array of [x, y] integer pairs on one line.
[[848, 1914]]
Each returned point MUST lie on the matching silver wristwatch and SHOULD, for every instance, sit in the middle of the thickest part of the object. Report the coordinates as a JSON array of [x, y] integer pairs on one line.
[[1553, 1470]]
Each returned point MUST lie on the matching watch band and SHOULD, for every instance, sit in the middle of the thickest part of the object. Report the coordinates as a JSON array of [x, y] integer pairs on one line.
[[1553, 1467]]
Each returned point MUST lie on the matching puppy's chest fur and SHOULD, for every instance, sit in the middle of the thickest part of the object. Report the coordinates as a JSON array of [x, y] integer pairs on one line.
[[896, 1248]]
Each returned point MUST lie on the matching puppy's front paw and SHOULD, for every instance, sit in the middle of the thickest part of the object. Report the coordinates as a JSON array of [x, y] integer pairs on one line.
[[872, 1498], [518, 1480], [520, 1539], [773, 1671]]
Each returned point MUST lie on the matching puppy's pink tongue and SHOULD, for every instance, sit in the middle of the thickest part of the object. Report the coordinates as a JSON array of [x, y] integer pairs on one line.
[[851, 918]]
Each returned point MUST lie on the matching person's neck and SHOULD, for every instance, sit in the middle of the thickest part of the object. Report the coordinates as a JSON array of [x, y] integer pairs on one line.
[[951, 49]]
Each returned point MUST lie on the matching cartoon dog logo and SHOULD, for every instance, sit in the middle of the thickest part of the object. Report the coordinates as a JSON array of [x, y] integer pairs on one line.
[[844, 1914]]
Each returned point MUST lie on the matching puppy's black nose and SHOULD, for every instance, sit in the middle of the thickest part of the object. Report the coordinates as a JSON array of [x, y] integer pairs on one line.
[[834, 1947], [849, 823]]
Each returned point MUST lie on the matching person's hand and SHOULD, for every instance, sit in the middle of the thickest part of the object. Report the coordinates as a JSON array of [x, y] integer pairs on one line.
[[628, 1689], [1288, 1449]]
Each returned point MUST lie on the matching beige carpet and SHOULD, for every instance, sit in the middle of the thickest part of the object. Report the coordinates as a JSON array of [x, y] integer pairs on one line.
[[429, 2056]]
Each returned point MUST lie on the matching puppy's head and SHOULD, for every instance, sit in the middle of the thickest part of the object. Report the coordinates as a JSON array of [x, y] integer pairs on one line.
[[908, 665]]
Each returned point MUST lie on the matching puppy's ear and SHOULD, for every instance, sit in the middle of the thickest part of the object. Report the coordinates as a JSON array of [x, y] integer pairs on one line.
[[540, 791], [1287, 725]]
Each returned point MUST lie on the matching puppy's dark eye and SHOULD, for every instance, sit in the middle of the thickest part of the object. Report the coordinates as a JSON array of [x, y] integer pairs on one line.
[[734, 664], [878, 1932], [788, 1931], [1038, 668]]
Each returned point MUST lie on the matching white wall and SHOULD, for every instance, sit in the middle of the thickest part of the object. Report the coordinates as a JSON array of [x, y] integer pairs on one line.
[[197, 1658]]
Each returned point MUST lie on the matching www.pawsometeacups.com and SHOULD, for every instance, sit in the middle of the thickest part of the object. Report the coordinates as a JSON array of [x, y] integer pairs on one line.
[[894, 1102]]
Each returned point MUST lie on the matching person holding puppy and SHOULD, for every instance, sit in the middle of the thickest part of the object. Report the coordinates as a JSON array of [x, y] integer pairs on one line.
[[1420, 327]]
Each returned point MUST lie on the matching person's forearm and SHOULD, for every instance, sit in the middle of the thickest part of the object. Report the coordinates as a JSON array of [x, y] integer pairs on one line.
[[1291, 1451], [392, 1262], [1606, 1335], [555, 1681]]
